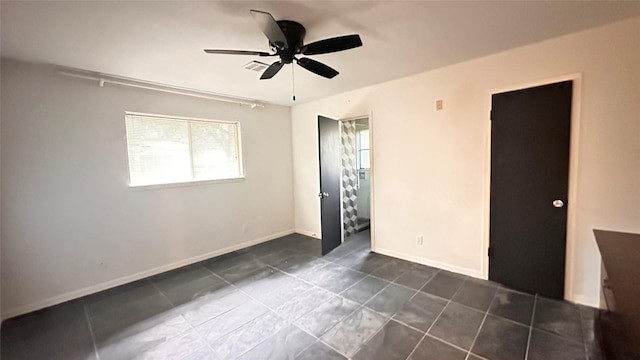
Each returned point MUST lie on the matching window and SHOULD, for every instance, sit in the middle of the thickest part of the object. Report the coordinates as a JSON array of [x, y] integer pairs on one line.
[[166, 149], [362, 146]]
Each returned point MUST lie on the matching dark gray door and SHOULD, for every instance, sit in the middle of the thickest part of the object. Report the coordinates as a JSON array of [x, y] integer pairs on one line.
[[329, 142], [530, 135]]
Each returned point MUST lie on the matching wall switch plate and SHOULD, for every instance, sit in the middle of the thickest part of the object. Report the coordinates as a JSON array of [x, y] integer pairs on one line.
[[439, 104]]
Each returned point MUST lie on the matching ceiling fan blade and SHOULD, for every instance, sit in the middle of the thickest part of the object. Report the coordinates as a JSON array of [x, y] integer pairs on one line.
[[317, 68], [237, 52], [270, 28], [272, 70], [332, 45]]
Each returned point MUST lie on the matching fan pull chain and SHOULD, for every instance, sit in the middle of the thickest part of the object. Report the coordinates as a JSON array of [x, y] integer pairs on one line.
[[293, 83]]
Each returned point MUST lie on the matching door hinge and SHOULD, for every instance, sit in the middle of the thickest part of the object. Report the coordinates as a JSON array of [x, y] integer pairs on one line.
[[490, 114], [489, 252]]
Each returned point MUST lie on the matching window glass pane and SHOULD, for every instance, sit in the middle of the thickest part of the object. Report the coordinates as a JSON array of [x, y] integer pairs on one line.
[[158, 150], [362, 144], [215, 150]]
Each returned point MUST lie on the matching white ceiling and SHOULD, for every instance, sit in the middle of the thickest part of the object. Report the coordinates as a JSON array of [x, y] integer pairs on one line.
[[163, 41]]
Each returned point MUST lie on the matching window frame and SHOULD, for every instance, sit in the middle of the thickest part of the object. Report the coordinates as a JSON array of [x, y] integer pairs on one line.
[[240, 151]]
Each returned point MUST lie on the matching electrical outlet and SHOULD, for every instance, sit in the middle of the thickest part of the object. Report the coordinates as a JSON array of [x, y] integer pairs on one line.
[[439, 104], [420, 240], [244, 228]]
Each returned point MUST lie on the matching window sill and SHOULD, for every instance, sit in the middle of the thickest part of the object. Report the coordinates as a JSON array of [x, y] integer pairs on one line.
[[186, 183]]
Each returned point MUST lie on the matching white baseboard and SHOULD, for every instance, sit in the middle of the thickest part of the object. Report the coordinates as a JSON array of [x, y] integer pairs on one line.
[[578, 299], [58, 299], [429, 262], [586, 300], [312, 234]]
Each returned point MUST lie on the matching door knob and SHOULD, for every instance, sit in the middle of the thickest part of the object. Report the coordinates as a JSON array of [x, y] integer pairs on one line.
[[558, 203]]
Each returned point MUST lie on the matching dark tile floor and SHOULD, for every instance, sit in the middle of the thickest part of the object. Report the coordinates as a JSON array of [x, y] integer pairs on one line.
[[282, 300]]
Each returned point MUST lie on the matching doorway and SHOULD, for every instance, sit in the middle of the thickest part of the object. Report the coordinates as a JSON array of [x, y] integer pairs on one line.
[[356, 176], [530, 142], [356, 180], [345, 170]]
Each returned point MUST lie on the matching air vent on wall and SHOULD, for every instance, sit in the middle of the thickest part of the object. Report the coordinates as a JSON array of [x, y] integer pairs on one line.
[[256, 66]]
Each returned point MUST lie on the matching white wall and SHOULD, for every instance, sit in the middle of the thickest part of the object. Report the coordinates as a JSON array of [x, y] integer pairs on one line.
[[66, 205], [431, 168]]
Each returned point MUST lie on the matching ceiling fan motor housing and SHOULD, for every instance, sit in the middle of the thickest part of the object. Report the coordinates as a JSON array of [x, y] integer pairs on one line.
[[294, 32]]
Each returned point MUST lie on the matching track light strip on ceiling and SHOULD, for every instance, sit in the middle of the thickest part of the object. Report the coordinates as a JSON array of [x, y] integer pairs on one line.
[[103, 79]]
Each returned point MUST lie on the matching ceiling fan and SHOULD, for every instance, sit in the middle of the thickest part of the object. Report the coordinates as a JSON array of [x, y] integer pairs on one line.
[[286, 41]]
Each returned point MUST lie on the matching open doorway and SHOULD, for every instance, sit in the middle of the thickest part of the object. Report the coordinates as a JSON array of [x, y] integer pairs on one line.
[[345, 183], [356, 180]]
